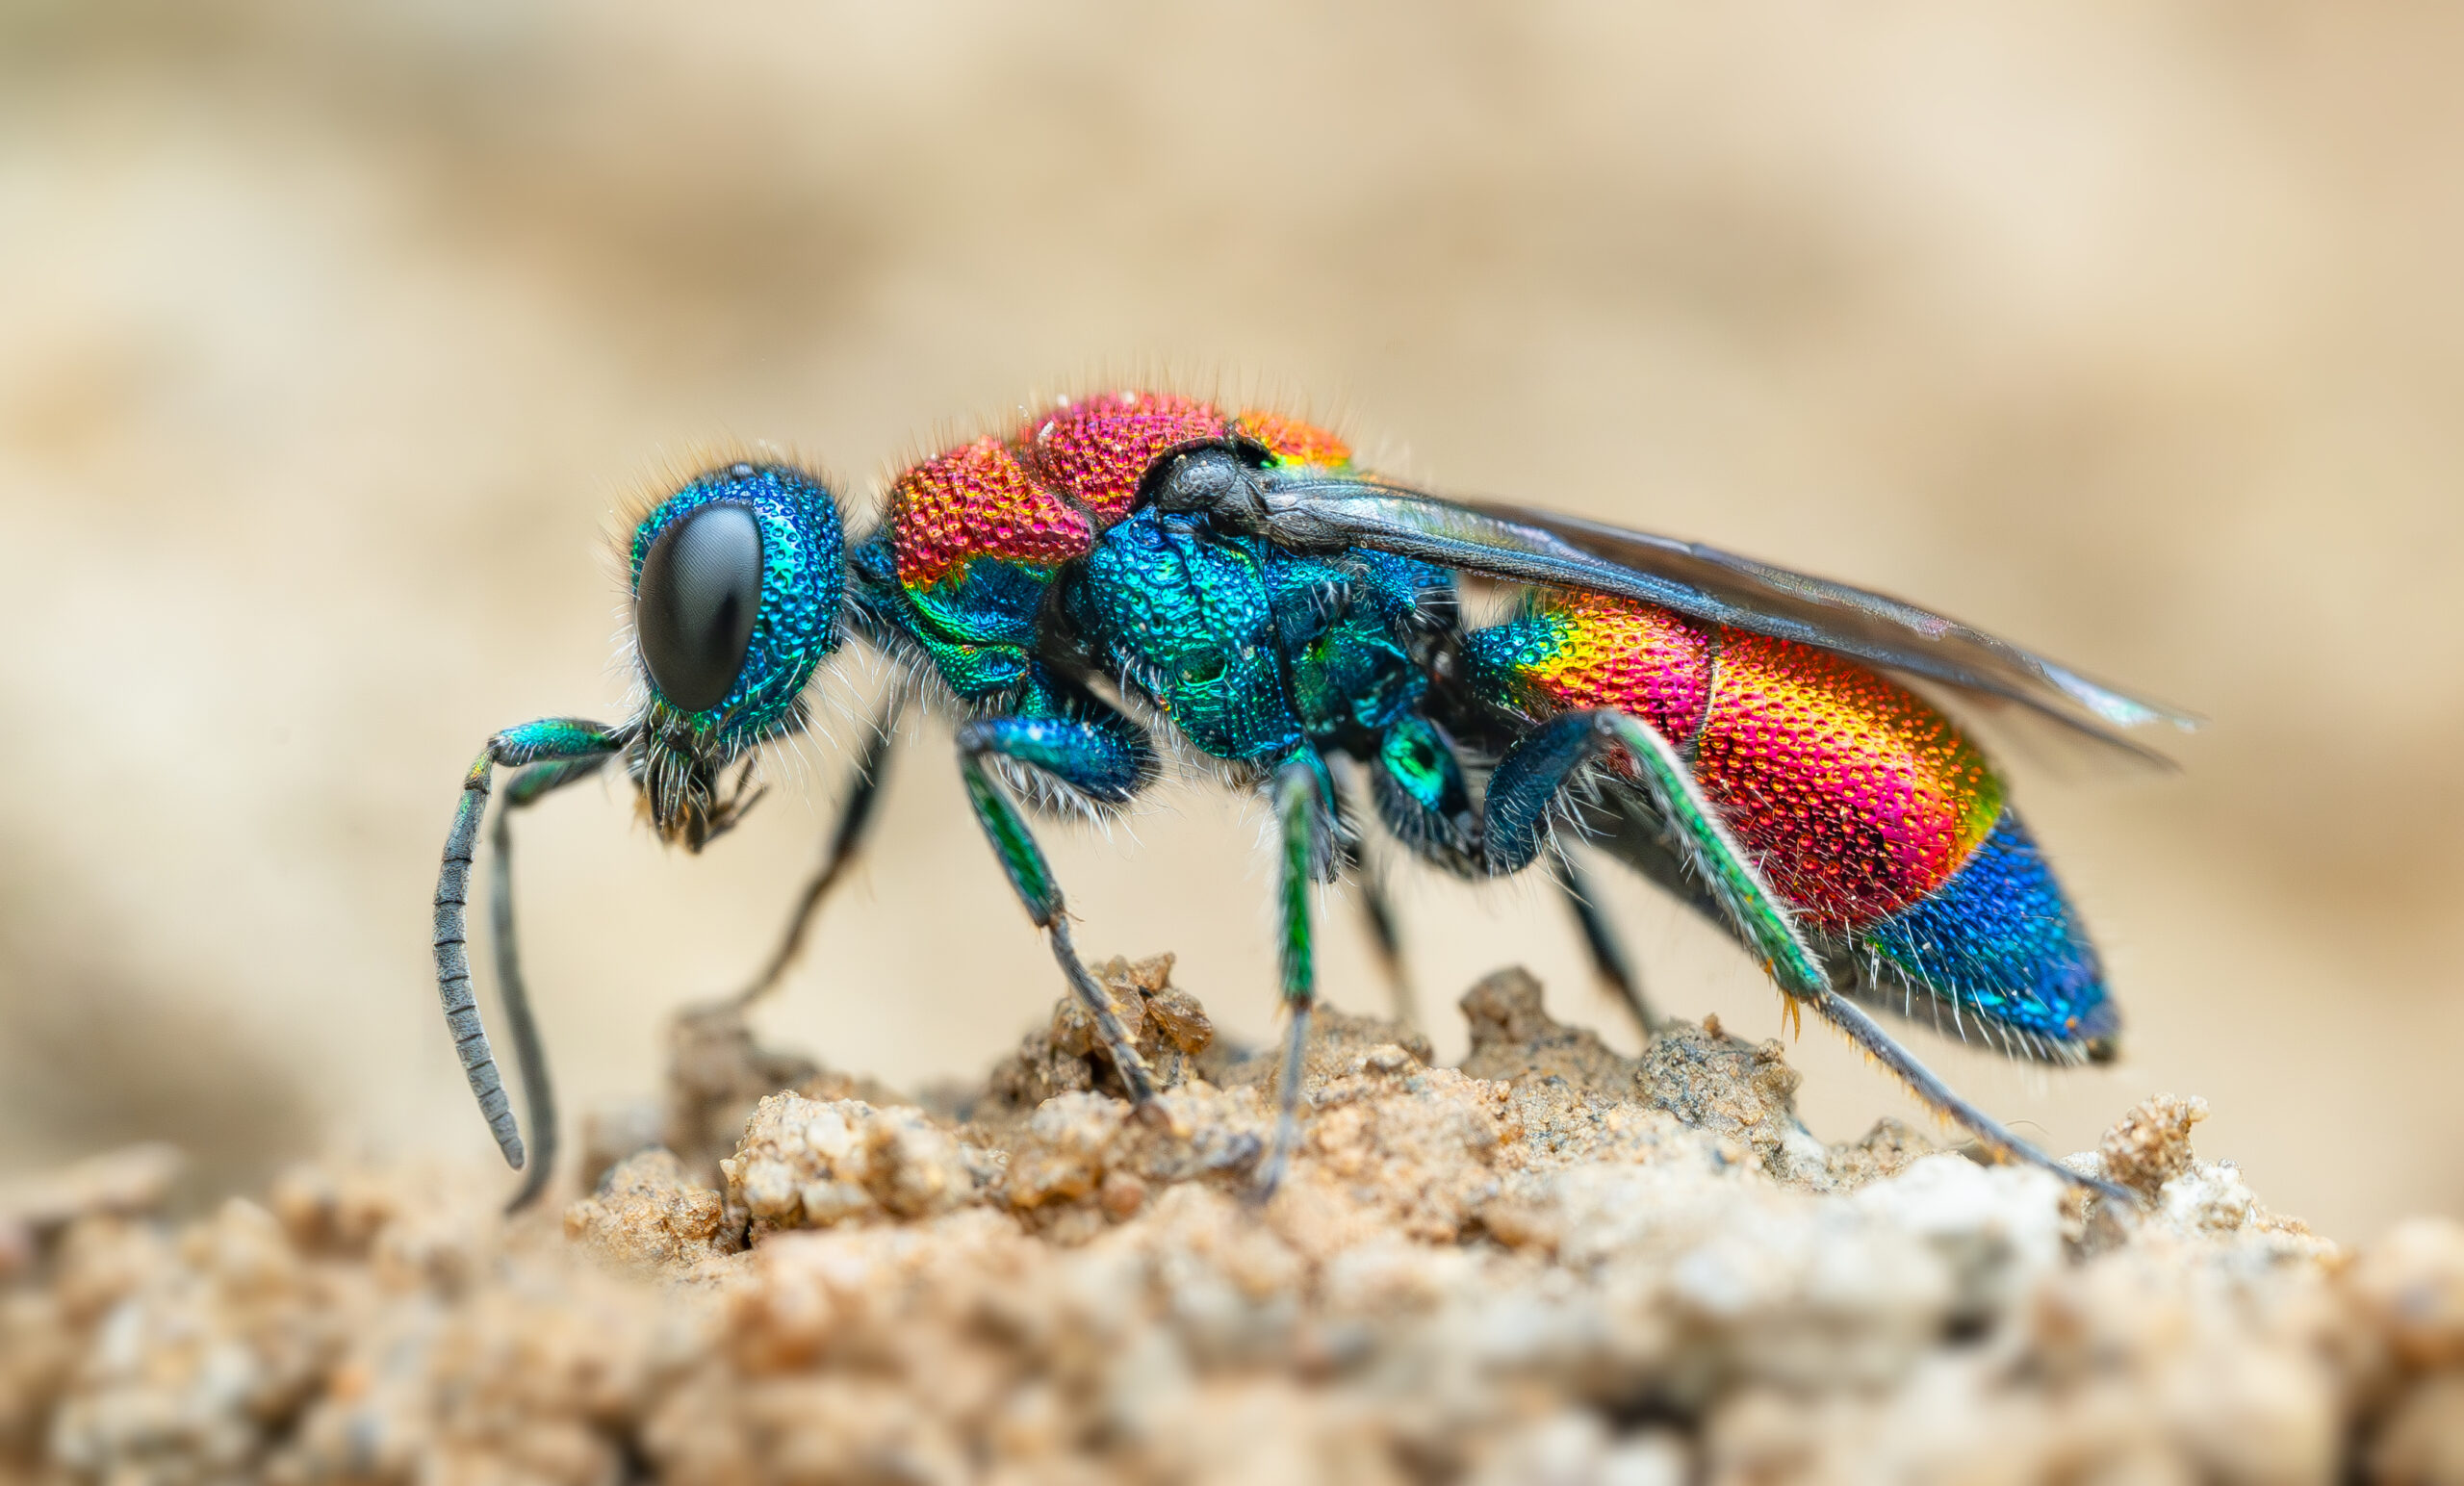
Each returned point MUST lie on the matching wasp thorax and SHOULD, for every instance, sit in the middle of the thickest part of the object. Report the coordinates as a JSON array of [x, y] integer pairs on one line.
[[1207, 478], [700, 593]]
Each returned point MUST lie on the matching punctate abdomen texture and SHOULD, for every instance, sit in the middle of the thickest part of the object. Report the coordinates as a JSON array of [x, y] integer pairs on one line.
[[1866, 808], [1857, 797]]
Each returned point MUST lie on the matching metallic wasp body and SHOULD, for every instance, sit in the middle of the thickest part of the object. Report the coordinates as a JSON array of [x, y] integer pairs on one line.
[[1133, 564]]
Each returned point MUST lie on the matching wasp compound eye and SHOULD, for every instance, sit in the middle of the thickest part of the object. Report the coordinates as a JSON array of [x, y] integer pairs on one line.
[[700, 593]]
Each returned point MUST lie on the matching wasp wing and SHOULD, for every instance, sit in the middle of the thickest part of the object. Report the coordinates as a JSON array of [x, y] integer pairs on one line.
[[1523, 545]]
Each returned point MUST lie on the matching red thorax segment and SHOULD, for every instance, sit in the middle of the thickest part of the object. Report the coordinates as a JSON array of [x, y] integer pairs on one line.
[[1097, 448], [978, 501]]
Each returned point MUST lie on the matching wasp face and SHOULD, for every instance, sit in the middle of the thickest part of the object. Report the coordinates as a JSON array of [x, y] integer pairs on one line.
[[737, 579]]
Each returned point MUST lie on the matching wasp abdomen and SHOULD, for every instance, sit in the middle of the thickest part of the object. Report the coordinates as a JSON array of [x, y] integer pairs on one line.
[[1868, 812]]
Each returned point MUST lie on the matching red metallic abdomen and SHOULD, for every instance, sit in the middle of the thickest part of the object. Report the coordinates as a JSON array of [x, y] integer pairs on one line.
[[1856, 798]]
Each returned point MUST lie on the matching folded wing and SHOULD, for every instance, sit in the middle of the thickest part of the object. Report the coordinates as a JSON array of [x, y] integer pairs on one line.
[[1519, 545]]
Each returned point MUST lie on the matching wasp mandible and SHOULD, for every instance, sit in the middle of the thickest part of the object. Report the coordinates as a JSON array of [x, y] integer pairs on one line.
[[1117, 565]]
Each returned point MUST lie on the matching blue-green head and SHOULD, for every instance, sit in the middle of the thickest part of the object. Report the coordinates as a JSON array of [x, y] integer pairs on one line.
[[737, 579]]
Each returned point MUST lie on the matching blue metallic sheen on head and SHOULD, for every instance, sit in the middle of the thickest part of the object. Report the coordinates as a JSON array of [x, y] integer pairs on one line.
[[803, 575]]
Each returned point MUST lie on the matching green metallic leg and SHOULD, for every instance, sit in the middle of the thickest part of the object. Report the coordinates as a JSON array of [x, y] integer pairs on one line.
[[1302, 809], [1098, 761], [1528, 778], [1527, 782], [854, 816], [552, 741]]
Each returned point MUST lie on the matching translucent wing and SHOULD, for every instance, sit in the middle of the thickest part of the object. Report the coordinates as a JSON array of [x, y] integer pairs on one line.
[[1518, 545]]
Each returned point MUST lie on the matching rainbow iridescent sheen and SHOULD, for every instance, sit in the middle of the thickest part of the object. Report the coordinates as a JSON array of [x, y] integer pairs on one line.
[[1868, 812], [976, 534], [1130, 570], [1857, 798], [1290, 442], [1578, 649], [979, 501]]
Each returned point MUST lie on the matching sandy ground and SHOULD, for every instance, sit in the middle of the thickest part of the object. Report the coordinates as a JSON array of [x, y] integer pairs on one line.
[[1551, 1264], [329, 336]]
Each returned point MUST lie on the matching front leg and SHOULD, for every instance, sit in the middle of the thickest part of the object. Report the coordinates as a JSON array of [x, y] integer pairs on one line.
[[855, 818], [556, 742], [539, 1091], [1106, 760]]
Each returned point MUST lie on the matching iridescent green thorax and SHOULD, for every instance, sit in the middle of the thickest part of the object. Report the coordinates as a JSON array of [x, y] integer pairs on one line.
[[803, 576], [1252, 651], [1188, 618]]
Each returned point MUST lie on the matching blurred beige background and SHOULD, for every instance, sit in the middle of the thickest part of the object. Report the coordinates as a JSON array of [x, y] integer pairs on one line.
[[330, 336]]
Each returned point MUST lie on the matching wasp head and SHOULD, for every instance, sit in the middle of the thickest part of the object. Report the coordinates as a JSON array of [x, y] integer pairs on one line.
[[737, 578]]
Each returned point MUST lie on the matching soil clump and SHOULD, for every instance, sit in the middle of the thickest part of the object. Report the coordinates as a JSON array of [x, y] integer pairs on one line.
[[1551, 1264]]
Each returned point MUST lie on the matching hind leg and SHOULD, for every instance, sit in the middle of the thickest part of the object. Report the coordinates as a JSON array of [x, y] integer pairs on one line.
[[1529, 781], [1303, 813]]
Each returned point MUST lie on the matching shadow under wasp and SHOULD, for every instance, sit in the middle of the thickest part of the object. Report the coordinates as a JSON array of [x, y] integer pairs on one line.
[[1134, 562]]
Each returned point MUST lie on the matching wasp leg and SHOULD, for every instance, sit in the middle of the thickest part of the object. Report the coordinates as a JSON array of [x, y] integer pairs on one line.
[[549, 741], [1302, 807], [530, 1052], [1383, 932], [1608, 960], [855, 817], [1107, 764], [1529, 780], [1530, 776], [1867, 1033]]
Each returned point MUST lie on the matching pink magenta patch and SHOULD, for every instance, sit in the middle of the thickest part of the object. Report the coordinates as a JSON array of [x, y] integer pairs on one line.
[[1097, 447]]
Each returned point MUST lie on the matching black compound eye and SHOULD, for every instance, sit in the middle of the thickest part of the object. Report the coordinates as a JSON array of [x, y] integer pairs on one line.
[[700, 593]]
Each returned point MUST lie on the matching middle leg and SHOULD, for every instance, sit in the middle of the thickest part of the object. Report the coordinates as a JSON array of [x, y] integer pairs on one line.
[[855, 818], [1303, 815]]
